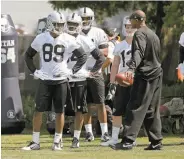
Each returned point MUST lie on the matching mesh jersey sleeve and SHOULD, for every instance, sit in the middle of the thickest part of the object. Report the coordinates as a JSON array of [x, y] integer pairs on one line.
[[181, 41], [102, 38], [117, 50], [37, 43], [73, 44], [86, 43]]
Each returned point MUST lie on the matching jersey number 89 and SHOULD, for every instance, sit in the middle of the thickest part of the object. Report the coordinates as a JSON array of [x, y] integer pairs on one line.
[[57, 49]]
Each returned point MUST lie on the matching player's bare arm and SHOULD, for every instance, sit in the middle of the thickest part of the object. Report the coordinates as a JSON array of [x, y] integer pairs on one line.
[[114, 69]]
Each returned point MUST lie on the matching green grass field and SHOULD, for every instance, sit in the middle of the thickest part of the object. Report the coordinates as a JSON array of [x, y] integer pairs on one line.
[[11, 149]]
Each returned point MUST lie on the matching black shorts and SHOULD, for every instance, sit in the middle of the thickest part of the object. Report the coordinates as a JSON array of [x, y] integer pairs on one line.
[[121, 99], [95, 90], [46, 94], [79, 92]]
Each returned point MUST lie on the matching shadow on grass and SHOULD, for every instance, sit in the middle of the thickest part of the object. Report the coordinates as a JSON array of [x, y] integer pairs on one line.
[[81, 149], [170, 144], [49, 147]]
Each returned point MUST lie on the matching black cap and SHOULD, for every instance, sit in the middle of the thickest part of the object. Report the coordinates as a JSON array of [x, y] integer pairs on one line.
[[137, 16], [112, 32]]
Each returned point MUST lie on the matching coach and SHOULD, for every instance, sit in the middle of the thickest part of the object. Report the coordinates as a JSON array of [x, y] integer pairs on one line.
[[143, 107]]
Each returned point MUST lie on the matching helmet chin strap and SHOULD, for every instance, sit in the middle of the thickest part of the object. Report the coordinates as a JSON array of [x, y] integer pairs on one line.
[[73, 30], [75, 34], [57, 32], [53, 34], [87, 27], [85, 31]]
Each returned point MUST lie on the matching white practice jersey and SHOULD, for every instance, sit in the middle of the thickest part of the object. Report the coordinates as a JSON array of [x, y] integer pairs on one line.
[[111, 47], [88, 46], [181, 41], [54, 52], [99, 37], [123, 50]]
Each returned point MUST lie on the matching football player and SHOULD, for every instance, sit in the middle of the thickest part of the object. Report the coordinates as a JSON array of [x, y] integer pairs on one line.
[[95, 86], [106, 67], [53, 47], [122, 54], [78, 83], [112, 35]]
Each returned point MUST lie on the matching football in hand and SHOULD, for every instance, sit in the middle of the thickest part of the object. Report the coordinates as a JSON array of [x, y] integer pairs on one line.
[[123, 80]]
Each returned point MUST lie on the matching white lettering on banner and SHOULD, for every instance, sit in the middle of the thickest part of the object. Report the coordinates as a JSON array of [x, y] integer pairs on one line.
[[8, 54], [7, 43]]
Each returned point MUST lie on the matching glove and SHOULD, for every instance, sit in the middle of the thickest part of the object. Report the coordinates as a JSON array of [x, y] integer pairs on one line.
[[41, 75], [180, 72], [111, 92], [81, 74]]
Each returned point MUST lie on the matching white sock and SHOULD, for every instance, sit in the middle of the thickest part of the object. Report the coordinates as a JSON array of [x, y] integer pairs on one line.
[[36, 137], [77, 134], [57, 137], [115, 132], [104, 128], [88, 128]]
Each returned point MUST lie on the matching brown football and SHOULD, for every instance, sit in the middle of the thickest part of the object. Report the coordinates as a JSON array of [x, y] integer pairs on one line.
[[123, 80]]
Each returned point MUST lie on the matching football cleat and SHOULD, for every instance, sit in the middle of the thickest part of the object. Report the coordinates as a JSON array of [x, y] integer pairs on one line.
[[89, 137], [105, 137], [109, 142], [32, 146], [57, 146], [75, 143]]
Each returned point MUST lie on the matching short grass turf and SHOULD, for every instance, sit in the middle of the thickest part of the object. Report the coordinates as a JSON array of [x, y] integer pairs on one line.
[[11, 149]]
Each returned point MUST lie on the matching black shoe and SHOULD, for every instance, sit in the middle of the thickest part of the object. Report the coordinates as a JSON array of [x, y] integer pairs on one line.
[[122, 146], [89, 137], [75, 143], [157, 146]]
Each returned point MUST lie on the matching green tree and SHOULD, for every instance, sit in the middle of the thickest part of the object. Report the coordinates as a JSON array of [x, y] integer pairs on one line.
[[175, 17], [153, 10], [171, 31], [101, 8], [165, 17]]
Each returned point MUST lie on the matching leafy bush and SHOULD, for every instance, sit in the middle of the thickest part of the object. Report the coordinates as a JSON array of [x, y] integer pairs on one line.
[[29, 108], [174, 90], [168, 92]]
